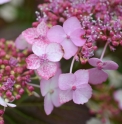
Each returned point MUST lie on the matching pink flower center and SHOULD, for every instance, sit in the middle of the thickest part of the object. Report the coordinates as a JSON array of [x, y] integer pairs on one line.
[[99, 65], [43, 58], [68, 37], [73, 87]]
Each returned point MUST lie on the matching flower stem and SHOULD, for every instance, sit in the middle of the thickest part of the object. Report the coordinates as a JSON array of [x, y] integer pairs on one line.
[[35, 85], [34, 78], [72, 63], [104, 49]]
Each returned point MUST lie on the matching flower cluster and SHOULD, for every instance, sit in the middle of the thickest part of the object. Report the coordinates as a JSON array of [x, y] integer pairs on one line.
[[49, 45], [64, 29]]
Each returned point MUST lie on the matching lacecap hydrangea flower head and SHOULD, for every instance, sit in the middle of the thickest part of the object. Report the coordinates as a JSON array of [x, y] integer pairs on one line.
[[70, 30]]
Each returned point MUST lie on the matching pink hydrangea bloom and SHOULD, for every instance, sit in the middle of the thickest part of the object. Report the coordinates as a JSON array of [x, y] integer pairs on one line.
[[4, 1], [31, 34], [118, 97], [21, 43], [69, 36], [44, 58], [97, 74], [50, 91], [75, 86]]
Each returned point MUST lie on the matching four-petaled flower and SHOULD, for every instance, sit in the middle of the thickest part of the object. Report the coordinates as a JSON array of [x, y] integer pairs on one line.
[[97, 75], [33, 34], [50, 90], [69, 36], [75, 86], [45, 58]]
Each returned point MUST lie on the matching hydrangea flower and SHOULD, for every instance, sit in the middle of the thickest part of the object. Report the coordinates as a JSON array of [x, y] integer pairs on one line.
[[4, 1], [50, 91], [69, 36], [45, 58], [5, 104], [75, 86], [32, 34], [97, 74], [118, 97]]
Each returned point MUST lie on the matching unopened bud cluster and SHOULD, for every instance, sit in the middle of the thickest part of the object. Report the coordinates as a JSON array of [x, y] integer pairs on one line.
[[14, 75]]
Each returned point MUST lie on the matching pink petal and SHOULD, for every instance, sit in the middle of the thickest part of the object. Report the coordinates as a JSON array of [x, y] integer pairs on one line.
[[54, 79], [54, 52], [44, 86], [76, 37], [21, 43], [47, 70], [56, 34], [48, 105], [30, 35], [42, 28], [110, 65], [82, 77], [39, 47], [65, 96], [69, 49], [66, 81], [4, 1], [97, 76], [33, 61], [94, 61], [70, 25], [55, 97], [83, 94]]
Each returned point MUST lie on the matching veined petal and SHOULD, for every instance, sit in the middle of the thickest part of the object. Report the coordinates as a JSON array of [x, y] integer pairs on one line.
[[39, 47], [33, 62], [82, 94], [54, 52], [70, 25], [65, 96], [47, 70], [97, 76], [42, 28], [30, 35], [69, 48], [48, 105], [66, 81], [82, 77], [55, 97], [56, 34], [76, 37], [94, 61], [2, 102], [110, 65], [21, 43]]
